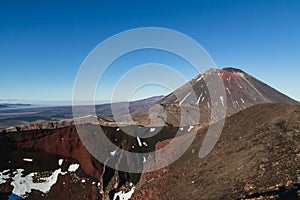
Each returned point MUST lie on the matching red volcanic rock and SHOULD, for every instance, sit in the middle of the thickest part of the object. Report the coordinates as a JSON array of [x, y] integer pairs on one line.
[[169, 147], [143, 192], [63, 142], [52, 145]]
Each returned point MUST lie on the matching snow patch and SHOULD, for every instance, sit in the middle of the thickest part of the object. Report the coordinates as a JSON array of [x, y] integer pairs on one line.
[[201, 77], [184, 98], [208, 104], [181, 128], [23, 185], [145, 144], [222, 100], [199, 98], [28, 159], [4, 176], [113, 153], [73, 167], [152, 129], [228, 90], [242, 100], [118, 129], [190, 128], [139, 141], [124, 195], [60, 162], [144, 159]]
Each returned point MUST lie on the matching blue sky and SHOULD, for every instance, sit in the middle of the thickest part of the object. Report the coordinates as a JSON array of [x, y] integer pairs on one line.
[[43, 43]]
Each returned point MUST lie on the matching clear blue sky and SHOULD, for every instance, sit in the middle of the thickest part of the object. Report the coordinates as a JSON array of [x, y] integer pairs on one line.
[[43, 43]]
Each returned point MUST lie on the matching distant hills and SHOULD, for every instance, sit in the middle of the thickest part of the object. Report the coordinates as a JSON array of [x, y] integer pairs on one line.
[[13, 105], [26, 115]]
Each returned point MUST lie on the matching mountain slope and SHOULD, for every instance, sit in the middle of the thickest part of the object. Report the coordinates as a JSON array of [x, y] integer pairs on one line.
[[241, 90], [42, 116], [258, 154]]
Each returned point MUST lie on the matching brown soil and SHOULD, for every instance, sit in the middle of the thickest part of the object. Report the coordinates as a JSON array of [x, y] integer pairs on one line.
[[257, 157]]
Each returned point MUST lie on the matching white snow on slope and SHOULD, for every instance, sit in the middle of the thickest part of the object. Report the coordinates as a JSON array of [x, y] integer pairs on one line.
[[113, 153], [60, 162], [4, 176], [28, 159], [139, 141], [73, 167], [184, 98], [124, 195], [198, 101], [222, 100], [201, 77], [228, 90], [24, 184], [152, 129], [242, 100], [190, 128]]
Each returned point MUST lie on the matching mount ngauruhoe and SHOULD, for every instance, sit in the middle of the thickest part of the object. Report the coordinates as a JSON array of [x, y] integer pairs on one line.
[[241, 89]]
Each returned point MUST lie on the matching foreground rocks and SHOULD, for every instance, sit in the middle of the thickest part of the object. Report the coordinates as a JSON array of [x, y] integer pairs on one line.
[[257, 157]]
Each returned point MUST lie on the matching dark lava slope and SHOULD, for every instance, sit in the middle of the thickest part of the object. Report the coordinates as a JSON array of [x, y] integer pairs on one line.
[[256, 157]]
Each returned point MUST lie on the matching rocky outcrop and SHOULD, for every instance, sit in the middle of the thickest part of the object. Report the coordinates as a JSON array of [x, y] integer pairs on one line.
[[63, 142], [67, 144]]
